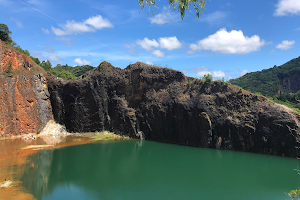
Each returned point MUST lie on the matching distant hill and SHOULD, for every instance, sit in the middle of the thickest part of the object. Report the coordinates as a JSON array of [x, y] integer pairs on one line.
[[269, 82]]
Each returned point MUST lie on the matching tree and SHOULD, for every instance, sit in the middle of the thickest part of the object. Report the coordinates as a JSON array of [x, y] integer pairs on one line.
[[208, 78], [4, 34], [46, 65], [66, 75], [182, 5]]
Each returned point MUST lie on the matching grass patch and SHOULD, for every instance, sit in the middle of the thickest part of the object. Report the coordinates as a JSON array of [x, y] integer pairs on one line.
[[105, 135], [77, 139], [20, 147]]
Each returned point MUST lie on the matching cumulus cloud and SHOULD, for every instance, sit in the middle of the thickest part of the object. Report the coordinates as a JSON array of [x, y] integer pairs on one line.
[[218, 74], [147, 44], [285, 45], [45, 31], [169, 43], [244, 72], [18, 23], [233, 42], [99, 22], [158, 53], [285, 7], [55, 58], [79, 61], [89, 25], [149, 62]]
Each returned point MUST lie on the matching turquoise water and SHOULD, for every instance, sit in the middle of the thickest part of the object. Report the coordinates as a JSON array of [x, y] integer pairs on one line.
[[150, 170]]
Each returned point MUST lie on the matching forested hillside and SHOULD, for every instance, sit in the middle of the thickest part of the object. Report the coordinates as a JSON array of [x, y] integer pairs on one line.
[[280, 84], [268, 81]]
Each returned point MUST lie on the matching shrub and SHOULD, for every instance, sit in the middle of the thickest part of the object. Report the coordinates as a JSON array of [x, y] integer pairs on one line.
[[208, 78]]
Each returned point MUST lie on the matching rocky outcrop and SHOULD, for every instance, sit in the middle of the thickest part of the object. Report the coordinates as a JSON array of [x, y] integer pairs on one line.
[[24, 98], [291, 84], [162, 104]]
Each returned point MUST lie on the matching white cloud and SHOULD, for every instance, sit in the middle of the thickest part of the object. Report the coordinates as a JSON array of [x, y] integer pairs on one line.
[[218, 74], [285, 44], [285, 7], [169, 43], [18, 23], [99, 22], [149, 62], [244, 72], [158, 53], [165, 17], [201, 71], [89, 25], [214, 18], [45, 31], [233, 42], [82, 62], [147, 44], [54, 58]]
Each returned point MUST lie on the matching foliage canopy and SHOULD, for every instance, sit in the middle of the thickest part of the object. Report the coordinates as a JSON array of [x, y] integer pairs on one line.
[[4, 34], [181, 5]]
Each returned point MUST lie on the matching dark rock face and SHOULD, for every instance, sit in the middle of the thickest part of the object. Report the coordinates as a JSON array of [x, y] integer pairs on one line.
[[291, 84], [163, 105]]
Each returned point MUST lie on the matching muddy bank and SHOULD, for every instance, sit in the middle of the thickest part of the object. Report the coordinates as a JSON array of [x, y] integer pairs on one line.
[[14, 152]]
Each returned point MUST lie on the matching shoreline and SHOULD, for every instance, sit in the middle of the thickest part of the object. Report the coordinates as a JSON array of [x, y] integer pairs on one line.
[[15, 150]]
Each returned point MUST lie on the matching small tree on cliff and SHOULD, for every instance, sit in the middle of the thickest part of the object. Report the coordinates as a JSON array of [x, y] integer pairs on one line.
[[4, 34], [182, 5]]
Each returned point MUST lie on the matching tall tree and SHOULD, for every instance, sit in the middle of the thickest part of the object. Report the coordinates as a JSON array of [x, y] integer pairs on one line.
[[4, 34], [182, 5]]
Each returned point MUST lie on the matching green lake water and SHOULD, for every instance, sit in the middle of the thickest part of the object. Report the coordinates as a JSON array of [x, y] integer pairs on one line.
[[150, 170]]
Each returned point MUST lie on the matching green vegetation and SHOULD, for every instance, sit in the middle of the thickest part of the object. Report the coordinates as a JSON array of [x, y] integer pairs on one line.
[[77, 139], [103, 136], [268, 81], [62, 71], [20, 147], [181, 5], [65, 71], [294, 194], [208, 78]]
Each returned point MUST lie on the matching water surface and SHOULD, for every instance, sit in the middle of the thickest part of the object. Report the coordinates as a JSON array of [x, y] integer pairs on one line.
[[150, 170]]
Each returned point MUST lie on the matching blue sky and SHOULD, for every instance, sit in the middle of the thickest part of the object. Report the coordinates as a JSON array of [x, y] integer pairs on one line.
[[231, 38]]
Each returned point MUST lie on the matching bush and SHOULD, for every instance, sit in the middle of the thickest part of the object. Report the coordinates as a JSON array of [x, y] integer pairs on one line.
[[208, 78]]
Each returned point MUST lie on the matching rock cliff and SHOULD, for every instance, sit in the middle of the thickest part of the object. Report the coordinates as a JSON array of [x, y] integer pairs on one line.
[[24, 98], [162, 104], [291, 84]]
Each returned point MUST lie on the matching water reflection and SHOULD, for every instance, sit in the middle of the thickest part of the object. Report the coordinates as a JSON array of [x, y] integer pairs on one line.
[[149, 170], [37, 173]]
